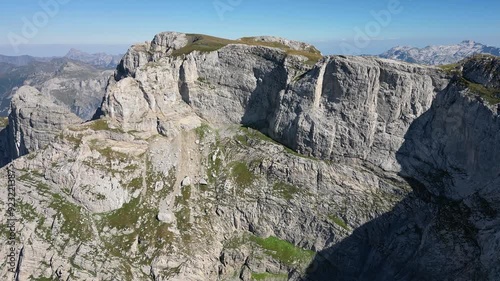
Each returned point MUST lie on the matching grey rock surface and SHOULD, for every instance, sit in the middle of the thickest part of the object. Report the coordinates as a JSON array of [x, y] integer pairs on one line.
[[35, 121], [353, 168]]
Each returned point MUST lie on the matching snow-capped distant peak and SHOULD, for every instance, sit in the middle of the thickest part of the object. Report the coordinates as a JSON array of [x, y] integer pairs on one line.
[[441, 54]]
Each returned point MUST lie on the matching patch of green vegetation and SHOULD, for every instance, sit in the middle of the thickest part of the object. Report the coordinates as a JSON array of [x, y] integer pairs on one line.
[[490, 95], [284, 251], [241, 174], [451, 69], [31, 155], [286, 191], [4, 122], [203, 80], [125, 217], [111, 154], [135, 183], [26, 178], [202, 43], [183, 216], [202, 131], [269, 276], [42, 188], [42, 279], [138, 220], [27, 211], [74, 223], [243, 139], [76, 140], [103, 125], [338, 221], [131, 167], [152, 177], [312, 54]]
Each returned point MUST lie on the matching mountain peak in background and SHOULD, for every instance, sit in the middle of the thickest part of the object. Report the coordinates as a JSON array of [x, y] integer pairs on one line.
[[439, 54], [98, 59]]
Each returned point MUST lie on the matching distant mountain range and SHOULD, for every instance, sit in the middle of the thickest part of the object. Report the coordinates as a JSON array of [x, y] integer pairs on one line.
[[437, 55], [73, 84], [100, 60]]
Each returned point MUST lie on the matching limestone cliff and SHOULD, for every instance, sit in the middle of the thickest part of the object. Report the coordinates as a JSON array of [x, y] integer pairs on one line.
[[259, 159]]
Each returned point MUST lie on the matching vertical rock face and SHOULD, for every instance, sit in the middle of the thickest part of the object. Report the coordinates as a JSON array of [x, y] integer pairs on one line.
[[358, 108], [453, 146], [450, 157], [342, 107], [35, 121]]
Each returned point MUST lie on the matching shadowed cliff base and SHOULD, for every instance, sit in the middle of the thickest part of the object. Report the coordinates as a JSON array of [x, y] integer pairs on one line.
[[445, 229]]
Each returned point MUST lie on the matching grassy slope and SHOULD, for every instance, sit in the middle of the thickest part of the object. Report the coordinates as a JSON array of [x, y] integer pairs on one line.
[[205, 43], [490, 95]]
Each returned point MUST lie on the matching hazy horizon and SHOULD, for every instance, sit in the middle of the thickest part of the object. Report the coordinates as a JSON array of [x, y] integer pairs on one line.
[[326, 47], [52, 27]]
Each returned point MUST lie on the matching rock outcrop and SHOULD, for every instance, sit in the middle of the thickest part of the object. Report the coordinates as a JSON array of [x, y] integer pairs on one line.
[[323, 111], [74, 85], [450, 158], [35, 121], [222, 159]]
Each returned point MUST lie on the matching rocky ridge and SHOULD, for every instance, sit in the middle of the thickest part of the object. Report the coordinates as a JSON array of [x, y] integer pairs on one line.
[[334, 172], [74, 85]]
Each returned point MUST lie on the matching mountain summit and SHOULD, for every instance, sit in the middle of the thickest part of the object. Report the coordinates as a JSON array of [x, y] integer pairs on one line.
[[437, 55]]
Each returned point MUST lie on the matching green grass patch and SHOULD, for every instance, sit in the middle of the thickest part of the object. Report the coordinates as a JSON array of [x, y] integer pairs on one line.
[[206, 43], [138, 220], [125, 217], [284, 251], [312, 54], [74, 223], [4, 122], [42, 279], [451, 69], [202, 131], [135, 183], [27, 211], [338, 221], [490, 95], [241, 174], [103, 125], [285, 190], [202, 43], [111, 154], [269, 276], [76, 140]]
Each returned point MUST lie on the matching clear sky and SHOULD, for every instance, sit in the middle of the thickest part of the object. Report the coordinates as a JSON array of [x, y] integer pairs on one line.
[[332, 25]]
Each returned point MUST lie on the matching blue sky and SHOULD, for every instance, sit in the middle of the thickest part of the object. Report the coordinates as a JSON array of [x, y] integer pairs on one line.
[[331, 25]]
